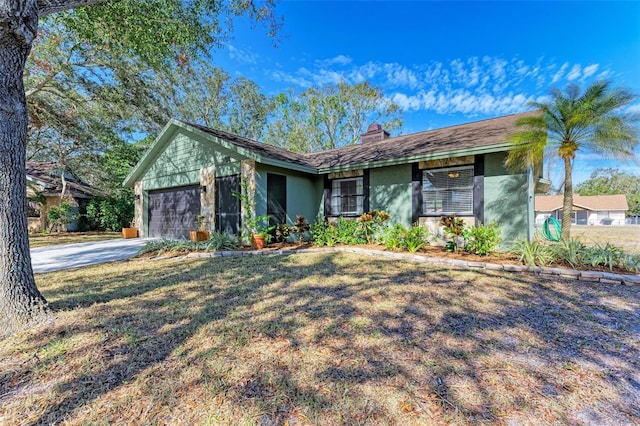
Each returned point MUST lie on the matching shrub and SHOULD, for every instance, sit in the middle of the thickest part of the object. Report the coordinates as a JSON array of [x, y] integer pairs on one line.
[[301, 227], [415, 238], [371, 224], [348, 232], [60, 216], [454, 230], [282, 232], [112, 213], [482, 240], [393, 237], [533, 253], [219, 241], [571, 251], [606, 256], [323, 233]]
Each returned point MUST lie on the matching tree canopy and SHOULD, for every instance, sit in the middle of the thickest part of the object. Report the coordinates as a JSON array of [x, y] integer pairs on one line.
[[613, 181], [573, 122], [329, 117], [109, 51]]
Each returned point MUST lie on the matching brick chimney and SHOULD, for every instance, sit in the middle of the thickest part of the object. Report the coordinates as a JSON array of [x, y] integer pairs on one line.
[[375, 132]]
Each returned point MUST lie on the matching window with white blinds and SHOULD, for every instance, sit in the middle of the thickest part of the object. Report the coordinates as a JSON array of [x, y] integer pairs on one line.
[[448, 191], [347, 196]]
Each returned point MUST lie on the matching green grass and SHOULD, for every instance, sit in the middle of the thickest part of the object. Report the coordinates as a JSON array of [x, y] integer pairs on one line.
[[328, 338], [55, 238]]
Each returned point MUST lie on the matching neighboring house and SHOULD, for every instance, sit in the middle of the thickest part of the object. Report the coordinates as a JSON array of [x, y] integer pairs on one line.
[[191, 170], [44, 179], [587, 209]]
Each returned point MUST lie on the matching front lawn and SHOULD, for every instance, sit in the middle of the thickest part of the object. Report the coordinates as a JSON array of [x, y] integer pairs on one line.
[[323, 338], [55, 238]]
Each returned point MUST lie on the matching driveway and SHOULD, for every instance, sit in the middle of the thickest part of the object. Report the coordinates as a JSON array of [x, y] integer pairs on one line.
[[68, 256]]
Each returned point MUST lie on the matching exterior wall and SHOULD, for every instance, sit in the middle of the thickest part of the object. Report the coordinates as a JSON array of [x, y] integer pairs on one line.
[[390, 190], [506, 199], [180, 163], [187, 161], [303, 193], [616, 217], [612, 217]]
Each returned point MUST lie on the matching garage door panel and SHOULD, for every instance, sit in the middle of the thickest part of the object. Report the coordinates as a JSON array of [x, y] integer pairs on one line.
[[173, 212]]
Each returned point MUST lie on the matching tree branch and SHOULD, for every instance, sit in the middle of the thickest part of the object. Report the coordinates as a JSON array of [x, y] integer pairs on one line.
[[47, 7]]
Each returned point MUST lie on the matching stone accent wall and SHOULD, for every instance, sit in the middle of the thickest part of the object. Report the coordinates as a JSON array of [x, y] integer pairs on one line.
[[138, 206], [248, 186], [208, 198], [436, 231]]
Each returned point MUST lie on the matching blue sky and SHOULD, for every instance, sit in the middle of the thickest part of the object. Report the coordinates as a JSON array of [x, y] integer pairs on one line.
[[447, 63]]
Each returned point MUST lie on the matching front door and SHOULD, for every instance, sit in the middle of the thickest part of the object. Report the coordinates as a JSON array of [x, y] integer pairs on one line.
[[227, 205], [276, 198]]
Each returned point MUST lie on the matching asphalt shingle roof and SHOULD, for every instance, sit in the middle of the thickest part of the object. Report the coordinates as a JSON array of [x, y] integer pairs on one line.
[[45, 172], [460, 137]]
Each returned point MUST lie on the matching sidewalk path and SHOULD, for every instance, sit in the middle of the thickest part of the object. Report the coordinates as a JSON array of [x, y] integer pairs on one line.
[[68, 256]]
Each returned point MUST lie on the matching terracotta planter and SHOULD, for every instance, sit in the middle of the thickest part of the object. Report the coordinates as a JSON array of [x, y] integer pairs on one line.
[[198, 235], [257, 242], [129, 232]]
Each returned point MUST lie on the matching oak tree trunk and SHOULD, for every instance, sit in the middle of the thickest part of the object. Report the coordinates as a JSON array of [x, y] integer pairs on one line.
[[20, 300], [567, 202]]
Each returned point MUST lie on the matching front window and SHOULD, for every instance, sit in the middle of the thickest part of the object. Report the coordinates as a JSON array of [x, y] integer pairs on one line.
[[448, 191], [347, 196]]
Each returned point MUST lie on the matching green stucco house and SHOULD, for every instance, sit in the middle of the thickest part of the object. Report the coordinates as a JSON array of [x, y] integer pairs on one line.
[[192, 170]]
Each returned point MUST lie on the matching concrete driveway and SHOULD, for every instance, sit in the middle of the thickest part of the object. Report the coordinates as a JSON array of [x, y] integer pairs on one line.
[[68, 256]]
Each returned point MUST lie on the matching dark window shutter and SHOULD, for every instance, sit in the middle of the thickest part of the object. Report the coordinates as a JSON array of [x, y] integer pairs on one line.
[[327, 196], [478, 190], [365, 190], [416, 192]]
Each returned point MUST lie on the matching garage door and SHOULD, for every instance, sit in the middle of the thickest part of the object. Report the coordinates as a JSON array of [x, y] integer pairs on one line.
[[173, 212]]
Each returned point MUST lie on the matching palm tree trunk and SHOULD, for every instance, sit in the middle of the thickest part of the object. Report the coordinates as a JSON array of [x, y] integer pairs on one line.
[[567, 203], [20, 300]]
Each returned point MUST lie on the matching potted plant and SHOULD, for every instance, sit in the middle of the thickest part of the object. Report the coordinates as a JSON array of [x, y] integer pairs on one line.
[[260, 231], [131, 231], [201, 234]]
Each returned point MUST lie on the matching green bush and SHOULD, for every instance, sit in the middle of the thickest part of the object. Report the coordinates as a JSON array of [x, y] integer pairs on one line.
[[415, 238], [534, 253], [607, 255], [323, 233], [482, 240], [219, 241], [349, 232], [60, 216], [371, 225], [571, 251], [111, 213], [393, 237]]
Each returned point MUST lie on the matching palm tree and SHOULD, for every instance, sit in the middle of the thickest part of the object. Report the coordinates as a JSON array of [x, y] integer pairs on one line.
[[575, 121]]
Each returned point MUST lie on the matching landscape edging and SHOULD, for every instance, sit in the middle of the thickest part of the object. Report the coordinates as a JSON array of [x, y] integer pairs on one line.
[[547, 272]]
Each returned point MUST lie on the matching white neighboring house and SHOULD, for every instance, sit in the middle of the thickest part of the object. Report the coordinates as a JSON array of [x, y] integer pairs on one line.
[[587, 209]]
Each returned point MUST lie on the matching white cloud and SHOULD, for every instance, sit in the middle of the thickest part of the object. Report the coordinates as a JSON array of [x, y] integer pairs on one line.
[[475, 85], [242, 55], [340, 60], [590, 70], [558, 75], [574, 73]]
